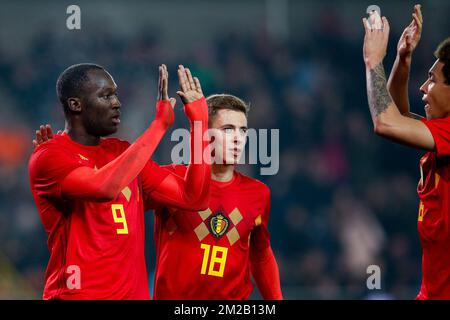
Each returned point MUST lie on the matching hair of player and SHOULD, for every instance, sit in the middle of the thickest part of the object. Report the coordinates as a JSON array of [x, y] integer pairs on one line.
[[70, 83], [443, 54], [225, 101]]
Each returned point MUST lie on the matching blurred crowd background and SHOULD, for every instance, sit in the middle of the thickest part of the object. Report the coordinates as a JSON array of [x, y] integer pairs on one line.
[[343, 198]]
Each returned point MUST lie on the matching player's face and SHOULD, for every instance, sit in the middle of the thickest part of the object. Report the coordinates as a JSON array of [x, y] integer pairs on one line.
[[436, 94], [101, 106], [230, 133]]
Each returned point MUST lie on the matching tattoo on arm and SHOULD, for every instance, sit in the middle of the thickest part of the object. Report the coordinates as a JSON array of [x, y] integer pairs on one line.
[[378, 95]]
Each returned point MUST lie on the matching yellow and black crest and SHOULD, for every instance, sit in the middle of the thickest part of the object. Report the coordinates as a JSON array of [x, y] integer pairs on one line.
[[219, 225]]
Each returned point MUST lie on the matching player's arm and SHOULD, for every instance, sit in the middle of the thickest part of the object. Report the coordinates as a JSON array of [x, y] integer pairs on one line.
[[265, 271], [387, 119], [190, 192], [398, 79], [106, 183], [263, 265]]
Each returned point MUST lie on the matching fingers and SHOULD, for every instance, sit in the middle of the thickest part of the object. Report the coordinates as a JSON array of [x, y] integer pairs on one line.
[[198, 87], [43, 132], [184, 83], [417, 21], [190, 79], [418, 12], [49, 131], [386, 27], [38, 137], [366, 24], [160, 83], [35, 144], [173, 101], [59, 132], [182, 95], [163, 82]]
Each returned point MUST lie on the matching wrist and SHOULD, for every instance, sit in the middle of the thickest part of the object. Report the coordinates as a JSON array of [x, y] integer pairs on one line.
[[405, 58], [164, 113], [197, 110], [371, 65]]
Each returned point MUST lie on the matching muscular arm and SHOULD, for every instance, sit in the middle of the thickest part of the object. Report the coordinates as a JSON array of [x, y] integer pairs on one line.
[[387, 119], [105, 184], [398, 86]]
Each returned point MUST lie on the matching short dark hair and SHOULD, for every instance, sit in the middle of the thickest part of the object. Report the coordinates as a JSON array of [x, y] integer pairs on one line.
[[443, 54], [70, 83], [224, 101]]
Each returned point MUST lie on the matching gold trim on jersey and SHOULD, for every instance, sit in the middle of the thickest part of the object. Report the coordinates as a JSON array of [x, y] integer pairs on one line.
[[235, 216], [233, 236], [126, 193], [421, 211], [201, 231], [205, 214], [83, 157], [258, 220]]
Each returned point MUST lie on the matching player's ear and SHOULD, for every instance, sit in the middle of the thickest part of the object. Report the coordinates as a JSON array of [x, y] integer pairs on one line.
[[74, 104]]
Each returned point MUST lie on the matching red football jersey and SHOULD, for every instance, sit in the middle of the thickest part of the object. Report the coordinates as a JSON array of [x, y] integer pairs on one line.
[[205, 255], [434, 213], [96, 248]]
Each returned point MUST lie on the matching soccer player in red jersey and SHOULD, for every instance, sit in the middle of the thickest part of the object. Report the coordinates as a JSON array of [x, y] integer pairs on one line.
[[89, 189], [389, 107], [212, 253]]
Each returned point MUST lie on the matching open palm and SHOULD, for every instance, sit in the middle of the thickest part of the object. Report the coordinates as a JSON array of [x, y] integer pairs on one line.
[[411, 35]]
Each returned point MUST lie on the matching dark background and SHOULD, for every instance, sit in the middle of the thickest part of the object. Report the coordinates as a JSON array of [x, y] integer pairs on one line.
[[343, 198]]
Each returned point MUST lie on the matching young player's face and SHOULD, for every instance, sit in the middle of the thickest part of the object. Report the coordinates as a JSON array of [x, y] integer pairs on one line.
[[101, 106], [230, 133], [436, 94]]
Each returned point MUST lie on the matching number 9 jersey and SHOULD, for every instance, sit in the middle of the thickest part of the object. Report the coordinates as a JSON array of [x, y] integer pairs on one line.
[[96, 248]]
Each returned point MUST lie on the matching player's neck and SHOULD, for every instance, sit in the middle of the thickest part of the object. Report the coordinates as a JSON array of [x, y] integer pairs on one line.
[[222, 172], [79, 135]]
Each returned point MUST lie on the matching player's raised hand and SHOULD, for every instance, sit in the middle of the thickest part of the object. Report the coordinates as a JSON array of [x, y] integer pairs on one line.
[[44, 133], [411, 35], [190, 89], [375, 43], [163, 84], [164, 113]]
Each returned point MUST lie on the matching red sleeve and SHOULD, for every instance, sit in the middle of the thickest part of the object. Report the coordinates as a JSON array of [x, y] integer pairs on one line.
[[105, 183], [263, 264], [48, 167], [265, 271], [191, 191], [440, 130], [151, 176], [260, 238]]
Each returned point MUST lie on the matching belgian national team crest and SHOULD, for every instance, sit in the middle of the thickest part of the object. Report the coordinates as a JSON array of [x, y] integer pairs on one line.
[[219, 225]]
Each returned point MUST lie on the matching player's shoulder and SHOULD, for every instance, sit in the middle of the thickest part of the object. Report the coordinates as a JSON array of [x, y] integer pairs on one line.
[[50, 147], [253, 183]]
